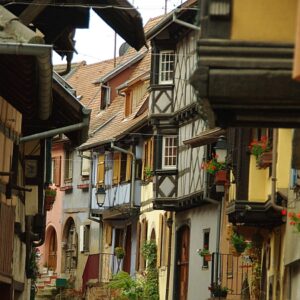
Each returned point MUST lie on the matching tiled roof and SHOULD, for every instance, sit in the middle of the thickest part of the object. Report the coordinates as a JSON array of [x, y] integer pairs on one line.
[[111, 123]]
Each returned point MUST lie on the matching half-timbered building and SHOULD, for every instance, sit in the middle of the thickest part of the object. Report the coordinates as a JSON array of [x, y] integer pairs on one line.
[[180, 186]]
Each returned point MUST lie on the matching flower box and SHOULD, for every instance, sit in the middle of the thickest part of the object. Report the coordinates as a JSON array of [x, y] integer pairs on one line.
[[207, 257], [221, 177], [264, 160]]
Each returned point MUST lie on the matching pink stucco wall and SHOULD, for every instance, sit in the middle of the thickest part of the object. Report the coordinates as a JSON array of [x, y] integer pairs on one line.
[[54, 218]]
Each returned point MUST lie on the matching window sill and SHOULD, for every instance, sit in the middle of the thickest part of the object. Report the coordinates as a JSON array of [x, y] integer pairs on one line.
[[83, 186], [66, 188]]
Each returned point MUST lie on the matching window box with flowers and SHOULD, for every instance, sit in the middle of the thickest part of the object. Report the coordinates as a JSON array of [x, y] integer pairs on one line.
[[217, 169], [205, 254], [262, 152]]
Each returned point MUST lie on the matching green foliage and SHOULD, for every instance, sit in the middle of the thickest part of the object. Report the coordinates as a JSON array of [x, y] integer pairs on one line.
[[128, 287], [148, 172], [149, 251], [144, 287], [119, 252], [239, 242]]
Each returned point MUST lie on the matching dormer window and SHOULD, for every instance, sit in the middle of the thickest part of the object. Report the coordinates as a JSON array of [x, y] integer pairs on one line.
[[105, 96], [166, 67]]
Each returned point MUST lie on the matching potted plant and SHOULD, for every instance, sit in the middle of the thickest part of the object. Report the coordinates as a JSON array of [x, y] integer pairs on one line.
[[119, 252], [205, 253], [239, 243], [148, 172], [218, 290]]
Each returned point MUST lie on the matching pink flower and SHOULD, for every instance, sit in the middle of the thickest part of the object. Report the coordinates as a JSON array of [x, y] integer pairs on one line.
[[284, 212]]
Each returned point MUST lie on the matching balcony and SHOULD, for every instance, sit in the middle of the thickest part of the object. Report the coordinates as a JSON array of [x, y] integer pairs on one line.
[[255, 214]]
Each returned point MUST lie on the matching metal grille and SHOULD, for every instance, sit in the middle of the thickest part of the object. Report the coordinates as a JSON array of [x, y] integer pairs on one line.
[[233, 272]]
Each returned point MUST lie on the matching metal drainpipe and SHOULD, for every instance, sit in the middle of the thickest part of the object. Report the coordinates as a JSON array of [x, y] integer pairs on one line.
[[90, 194], [132, 190], [274, 171], [56, 131]]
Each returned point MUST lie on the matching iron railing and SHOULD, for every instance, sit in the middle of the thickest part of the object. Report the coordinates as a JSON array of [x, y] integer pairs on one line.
[[233, 272]]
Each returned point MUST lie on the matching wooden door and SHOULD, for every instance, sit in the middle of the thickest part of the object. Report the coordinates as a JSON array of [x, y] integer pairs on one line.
[[52, 254], [127, 258], [183, 248]]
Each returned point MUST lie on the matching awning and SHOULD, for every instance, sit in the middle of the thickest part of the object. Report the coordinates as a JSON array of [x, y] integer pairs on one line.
[[205, 137]]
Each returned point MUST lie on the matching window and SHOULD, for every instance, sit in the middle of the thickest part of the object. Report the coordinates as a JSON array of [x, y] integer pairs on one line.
[[166, 67], [105, 96], [84, 245], [148, 159], [55, 174], [100, 170], [85, 164], [169, 157], [68, 165], [205, 246]]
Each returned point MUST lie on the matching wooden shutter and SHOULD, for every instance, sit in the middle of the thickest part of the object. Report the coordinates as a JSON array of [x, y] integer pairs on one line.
[[100, 170], [160, 240], [128, 167], [85, 164], [128, 104], [108, 234], [123, 167], [57, 170], [116, 168], [138, 246], [145, 149], [166, 242]]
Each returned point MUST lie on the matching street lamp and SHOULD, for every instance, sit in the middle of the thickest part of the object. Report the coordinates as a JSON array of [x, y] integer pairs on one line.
[[221, 149], [100, 196]]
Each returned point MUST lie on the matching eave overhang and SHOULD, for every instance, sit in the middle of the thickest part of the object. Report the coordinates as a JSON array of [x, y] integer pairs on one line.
[[247, 83], [182, 203], [117, 213], [58, 22], [254, 214], [206, 137]]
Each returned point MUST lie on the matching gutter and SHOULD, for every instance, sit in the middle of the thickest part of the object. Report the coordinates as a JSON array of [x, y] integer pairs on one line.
[[274, 171], [132, 189], [53, 132]]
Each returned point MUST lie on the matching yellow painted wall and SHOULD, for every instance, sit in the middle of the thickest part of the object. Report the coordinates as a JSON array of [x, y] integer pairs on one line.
[[284, 157], [259, 182], [264, 20]]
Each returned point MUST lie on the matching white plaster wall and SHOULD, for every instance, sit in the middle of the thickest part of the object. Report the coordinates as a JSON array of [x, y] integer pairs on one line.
[[199, 219]]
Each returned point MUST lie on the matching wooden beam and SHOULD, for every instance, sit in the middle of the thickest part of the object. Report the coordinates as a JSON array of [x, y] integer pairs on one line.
[[35, 8]]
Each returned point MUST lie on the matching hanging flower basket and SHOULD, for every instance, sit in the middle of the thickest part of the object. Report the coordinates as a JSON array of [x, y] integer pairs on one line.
[[50, 195], [262, 152]]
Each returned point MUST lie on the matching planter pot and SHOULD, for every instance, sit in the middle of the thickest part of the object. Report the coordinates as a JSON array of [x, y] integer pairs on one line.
[[207, 257], [265, 160], [221, 177], [223, 295]]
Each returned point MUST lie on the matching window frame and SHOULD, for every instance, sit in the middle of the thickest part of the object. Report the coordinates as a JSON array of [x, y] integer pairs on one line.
[[175, 145], [206, 240], [68, 172], [85, 172], [171, 68], [105, 96]]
